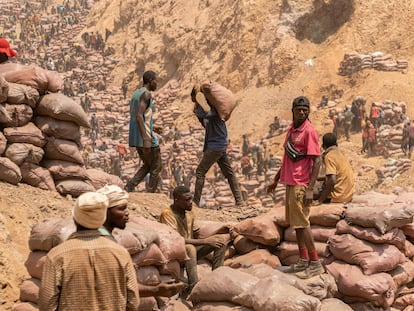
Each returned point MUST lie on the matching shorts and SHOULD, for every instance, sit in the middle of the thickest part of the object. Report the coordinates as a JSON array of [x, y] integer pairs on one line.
[[296, 213]]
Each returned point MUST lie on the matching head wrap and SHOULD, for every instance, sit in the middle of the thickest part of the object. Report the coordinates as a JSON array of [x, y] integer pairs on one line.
[[115, 195], [89, 210]]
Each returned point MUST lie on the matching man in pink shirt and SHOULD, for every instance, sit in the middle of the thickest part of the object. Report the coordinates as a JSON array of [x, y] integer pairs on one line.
[[299, 172]]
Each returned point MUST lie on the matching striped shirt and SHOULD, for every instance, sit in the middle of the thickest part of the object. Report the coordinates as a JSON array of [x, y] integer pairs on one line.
[[88, 272]]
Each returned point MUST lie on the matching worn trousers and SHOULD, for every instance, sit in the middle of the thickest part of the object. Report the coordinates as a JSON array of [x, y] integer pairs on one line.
[[151, 164], [195, 252], [221, 158]]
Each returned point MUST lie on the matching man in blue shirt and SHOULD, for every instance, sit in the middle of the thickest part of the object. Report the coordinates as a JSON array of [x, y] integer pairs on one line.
[[215, 147], [141, 134]]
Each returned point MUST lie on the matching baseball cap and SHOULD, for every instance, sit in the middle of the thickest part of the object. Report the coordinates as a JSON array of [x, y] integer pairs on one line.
[[5, 48]]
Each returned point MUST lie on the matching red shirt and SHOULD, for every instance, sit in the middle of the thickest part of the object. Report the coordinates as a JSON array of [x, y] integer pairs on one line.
[[121, 148], [305, 139]]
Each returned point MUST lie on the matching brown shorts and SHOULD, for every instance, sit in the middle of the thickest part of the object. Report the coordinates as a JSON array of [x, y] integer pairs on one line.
[[297, 214]]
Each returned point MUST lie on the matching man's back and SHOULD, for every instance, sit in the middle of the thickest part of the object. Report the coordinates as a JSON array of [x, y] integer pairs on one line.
[[89, 272], [336, 163]]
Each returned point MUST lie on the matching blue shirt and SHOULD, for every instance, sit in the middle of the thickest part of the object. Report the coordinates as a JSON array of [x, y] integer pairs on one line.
[[135, 136], [216, 137]]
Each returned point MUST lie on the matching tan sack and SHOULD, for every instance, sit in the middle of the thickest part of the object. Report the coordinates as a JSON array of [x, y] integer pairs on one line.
[[4, 89], [58, 128], [100, 178], [244, 245], [28, 133], [254, 257], [37, 78], [37, 176], [222, 284], [335, 304], [3, 143], [64, 170], [220, 97], [22, 94], [320, 233], [74, 187], [9, 172], [19, 153], [62, 149], [35, 262], [25, 306], [50, 233], [326, 215], [151, 256], [403, 273], [4, 115], [147, 304], [18, 115], [62, 107], [148, 275], [272, 294], [29, 290], [219, 306]]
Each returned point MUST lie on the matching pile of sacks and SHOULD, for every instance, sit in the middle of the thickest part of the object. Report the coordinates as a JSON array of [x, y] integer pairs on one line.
[[366, 248], [40, 137], [156, 250], [392, 169], [354, 62]]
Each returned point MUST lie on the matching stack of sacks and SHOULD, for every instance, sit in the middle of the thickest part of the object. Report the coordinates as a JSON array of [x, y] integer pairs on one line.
[[372, 256], [156, 250], [392, 169], [261, 288], [323, 219]]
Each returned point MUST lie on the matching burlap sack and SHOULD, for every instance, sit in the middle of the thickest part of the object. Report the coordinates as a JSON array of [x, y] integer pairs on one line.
[[29, 290], [326, 215], [405, 299], [148, 275], [3, 143], [394, 236], [172, 243], [22, 94], [271, 294], [74, 187], [171, 268], [379, 217], [62, 149], [320, 234], [64, 170], [25, 306], [58, 128], [372, 258], [19, 153], [28, 133], [100, 178], [9, 172], [377, 288], [407, 229], [147, 304], [254, 257], [219, 306], [331, 304], [61, 107], [209, 228], [37, 78], [261, 229], [18, 115], [287, 249], [223, 284], [151, 256], [50, 233], [220, 97], [4, 115], [243, 245], [37, 176], [135, 238], [4, 89], [176, 305], [403, 273], [34, 263]]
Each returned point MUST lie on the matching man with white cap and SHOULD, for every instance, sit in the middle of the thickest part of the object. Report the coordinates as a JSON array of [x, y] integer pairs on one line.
[[89, 271], [117, 216], [6, 51]]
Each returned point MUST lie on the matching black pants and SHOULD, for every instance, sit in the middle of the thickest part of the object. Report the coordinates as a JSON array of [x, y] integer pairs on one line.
[[151, 164], [209, 158]]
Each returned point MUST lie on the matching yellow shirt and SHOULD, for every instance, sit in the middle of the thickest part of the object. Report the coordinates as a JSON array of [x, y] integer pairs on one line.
[[186, 226], [337, 164], [88, 272]]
